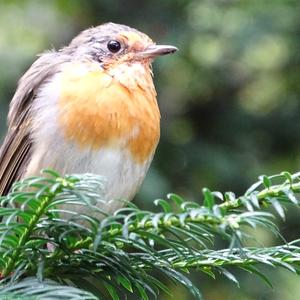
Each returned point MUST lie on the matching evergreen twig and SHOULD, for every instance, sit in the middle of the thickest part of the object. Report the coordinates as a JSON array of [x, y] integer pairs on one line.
[[45, 243]]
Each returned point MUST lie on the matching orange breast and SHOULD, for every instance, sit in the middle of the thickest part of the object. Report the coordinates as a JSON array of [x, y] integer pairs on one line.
[[96, 110]]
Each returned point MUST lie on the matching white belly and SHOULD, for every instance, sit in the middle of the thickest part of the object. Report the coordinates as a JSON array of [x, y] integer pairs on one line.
[[122, 175]]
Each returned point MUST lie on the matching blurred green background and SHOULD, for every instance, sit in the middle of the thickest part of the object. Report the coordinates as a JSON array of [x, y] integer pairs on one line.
[[229, 98]]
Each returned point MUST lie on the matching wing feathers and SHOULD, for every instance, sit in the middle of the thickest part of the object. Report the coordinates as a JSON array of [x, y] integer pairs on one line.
[[14, 159], [15, 152]]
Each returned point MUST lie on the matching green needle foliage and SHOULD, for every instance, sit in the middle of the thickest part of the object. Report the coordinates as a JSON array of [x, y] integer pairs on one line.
[[50, 251]]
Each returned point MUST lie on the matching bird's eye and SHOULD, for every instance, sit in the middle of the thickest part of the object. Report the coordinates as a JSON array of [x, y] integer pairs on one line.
[[114, 46]]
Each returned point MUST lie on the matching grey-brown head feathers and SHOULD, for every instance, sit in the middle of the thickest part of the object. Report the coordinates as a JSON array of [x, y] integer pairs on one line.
[[101, 33], [93, 42]]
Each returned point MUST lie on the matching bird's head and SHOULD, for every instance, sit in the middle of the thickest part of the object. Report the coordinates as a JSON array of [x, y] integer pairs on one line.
[[113, 44]]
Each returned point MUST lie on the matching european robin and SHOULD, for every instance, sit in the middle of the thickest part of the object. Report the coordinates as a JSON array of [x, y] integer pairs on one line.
[[89, 107]]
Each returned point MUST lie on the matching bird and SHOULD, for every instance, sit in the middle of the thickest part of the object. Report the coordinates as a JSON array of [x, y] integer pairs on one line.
[[89, 107]]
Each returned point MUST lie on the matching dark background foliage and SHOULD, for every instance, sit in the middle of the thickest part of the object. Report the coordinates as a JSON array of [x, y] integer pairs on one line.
[[229, 99]]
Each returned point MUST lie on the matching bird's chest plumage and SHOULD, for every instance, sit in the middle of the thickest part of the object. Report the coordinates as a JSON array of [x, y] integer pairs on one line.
[[115, 109], [103, 122]]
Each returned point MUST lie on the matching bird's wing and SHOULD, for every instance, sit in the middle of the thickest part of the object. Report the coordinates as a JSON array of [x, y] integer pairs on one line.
[[15, 152]]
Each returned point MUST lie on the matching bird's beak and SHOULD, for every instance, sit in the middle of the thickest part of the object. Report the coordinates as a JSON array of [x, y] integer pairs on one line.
[[156, 50]]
